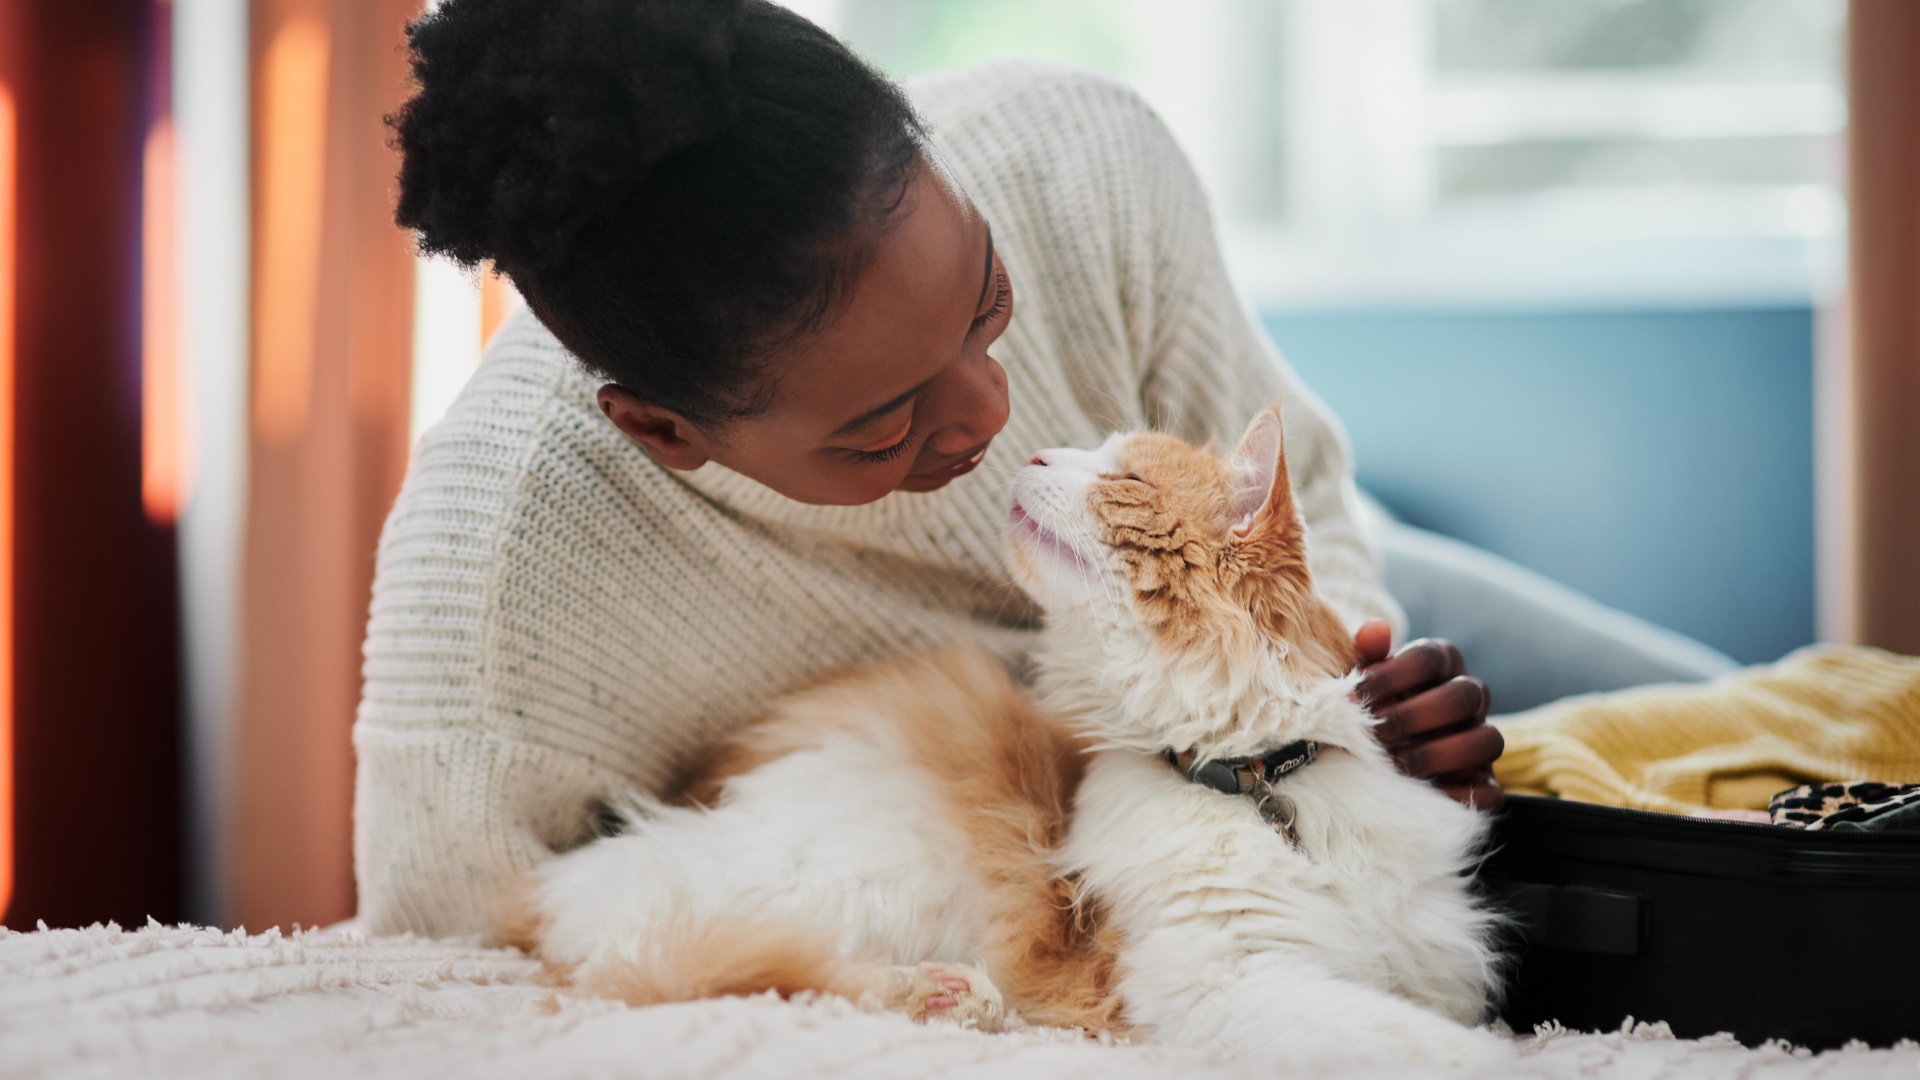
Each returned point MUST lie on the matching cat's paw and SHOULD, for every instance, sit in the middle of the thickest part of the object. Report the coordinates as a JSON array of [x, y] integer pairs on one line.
[[950, 993], [1470, 1048]]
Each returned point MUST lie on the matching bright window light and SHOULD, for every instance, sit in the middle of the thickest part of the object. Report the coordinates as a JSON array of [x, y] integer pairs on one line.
[[447, 324], [1462, 151]]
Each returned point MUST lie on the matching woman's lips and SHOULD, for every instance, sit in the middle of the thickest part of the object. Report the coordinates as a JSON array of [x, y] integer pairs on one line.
[[958, 469]]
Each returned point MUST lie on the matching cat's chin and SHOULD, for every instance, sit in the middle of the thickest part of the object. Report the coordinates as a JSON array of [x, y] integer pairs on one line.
[[1049, 568]]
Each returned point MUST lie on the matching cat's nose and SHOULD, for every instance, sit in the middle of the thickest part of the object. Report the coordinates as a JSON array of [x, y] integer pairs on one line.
[[1039, 459]]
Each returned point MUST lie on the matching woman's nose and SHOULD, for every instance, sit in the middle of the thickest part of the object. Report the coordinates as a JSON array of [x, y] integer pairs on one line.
[[980, 412]]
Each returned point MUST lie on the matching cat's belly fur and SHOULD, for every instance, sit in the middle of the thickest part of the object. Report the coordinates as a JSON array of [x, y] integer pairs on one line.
[[841, 838]]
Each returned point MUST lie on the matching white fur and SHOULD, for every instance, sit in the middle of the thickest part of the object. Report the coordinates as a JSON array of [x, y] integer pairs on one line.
[[840, 838], [1363, 938], [1362, 943]]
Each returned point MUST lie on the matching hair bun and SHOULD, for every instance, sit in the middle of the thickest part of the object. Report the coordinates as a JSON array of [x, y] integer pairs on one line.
[[531, 115]]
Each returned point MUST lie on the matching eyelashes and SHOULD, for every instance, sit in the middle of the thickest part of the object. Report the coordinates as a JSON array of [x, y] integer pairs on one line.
[[888, 453], [1002, 293]]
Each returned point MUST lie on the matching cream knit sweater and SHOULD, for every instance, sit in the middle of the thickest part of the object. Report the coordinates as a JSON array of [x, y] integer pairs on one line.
[[555, 617]]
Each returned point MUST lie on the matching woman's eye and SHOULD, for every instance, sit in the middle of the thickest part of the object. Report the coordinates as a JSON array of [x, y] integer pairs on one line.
[[1002, 293], [887, 453]]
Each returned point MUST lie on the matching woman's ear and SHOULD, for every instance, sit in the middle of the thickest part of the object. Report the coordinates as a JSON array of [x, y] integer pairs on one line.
[[665, 435]]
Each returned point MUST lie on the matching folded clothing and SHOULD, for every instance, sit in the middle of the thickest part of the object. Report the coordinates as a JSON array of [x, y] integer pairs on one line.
[[1823, 714]]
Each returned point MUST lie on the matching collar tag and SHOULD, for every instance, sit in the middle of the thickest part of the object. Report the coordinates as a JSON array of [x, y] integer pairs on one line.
[[1254, 777]]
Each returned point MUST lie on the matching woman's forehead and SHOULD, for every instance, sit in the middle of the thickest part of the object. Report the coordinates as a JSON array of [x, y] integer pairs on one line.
[[906, 316]]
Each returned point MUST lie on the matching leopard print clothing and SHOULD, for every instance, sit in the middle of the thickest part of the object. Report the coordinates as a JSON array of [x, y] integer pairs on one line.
[[1847, 805]]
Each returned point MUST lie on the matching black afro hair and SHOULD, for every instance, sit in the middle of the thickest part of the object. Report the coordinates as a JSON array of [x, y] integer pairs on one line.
[[675, 186]]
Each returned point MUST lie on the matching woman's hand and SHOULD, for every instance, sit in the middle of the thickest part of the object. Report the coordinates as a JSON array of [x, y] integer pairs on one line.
[[1433, 715]]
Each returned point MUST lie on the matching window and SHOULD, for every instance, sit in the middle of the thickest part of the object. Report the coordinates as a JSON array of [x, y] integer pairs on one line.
[[1369, 151]]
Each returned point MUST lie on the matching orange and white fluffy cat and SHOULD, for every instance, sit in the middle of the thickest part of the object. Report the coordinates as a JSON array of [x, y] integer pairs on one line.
[[915, 834]]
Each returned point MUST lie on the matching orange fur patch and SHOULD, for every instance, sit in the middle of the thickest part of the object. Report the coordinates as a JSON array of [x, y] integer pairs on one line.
[[519, 923], [1007, 773], [1196, 583], [728, 958]]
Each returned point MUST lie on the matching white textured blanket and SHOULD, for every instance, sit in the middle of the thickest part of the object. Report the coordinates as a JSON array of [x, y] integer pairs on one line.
[[183, 1002]]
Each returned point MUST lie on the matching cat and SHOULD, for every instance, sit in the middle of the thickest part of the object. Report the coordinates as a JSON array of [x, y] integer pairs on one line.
[[1193, 838]]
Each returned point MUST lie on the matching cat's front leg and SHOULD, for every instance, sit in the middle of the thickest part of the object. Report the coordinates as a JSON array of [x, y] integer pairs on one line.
[[1273, 1007], [1234, 940]]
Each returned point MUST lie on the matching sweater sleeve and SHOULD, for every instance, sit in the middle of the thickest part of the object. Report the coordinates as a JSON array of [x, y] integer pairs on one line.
[[452, 796], [1205, 367]]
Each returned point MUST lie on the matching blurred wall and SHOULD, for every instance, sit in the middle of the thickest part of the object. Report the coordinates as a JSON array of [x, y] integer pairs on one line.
[[1659, 460]]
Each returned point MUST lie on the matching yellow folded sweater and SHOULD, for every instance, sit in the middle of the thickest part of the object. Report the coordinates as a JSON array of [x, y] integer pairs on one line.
[[1823, 714]]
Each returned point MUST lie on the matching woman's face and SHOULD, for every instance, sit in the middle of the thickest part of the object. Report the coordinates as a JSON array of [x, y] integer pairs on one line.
[[895, 391]]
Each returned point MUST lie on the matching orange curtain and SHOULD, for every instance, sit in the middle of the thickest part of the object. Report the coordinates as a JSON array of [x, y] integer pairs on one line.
[[1881, 555], [332, 317]]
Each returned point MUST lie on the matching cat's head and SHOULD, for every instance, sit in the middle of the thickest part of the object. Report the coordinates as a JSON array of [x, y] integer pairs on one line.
[[1180, 612]]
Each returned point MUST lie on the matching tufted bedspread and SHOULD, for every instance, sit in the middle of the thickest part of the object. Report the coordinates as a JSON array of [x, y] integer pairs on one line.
[[186, 1002]]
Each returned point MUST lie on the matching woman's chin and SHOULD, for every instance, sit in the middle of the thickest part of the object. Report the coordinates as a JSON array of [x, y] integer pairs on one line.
[[920, 485]]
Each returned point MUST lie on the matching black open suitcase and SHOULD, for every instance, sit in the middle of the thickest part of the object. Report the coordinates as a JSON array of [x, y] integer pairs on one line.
[[1762, 931]]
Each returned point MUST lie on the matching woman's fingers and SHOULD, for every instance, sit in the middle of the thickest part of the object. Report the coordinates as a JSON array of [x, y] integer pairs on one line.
[[1417, 666], [1459, 699], [1478, 790], [1373, 641], [1433, 715], [1471, 750]]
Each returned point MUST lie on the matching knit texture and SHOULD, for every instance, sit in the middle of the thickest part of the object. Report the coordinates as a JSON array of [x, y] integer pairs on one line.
[[1824, 713], [556, 617]]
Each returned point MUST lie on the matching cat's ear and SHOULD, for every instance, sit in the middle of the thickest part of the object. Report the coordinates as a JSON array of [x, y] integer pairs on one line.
[[1260, 493]]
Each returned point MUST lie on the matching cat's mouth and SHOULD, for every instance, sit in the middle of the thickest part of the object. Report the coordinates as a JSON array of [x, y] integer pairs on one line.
[[1026, 528]]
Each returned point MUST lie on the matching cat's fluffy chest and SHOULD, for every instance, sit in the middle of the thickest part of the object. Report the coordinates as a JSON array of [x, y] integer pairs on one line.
[[1372, 893]]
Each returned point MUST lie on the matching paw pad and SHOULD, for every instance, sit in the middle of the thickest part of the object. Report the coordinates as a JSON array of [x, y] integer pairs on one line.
[[950, 993]]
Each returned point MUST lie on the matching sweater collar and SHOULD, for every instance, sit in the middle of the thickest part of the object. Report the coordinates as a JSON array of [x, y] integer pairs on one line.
[[957, 525]]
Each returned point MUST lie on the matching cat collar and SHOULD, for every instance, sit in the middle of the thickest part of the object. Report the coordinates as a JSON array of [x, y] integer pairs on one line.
[[1245, 776], [1254, 777]]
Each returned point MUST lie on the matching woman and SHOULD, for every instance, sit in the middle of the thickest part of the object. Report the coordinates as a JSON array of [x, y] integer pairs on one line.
[[760, 427]]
